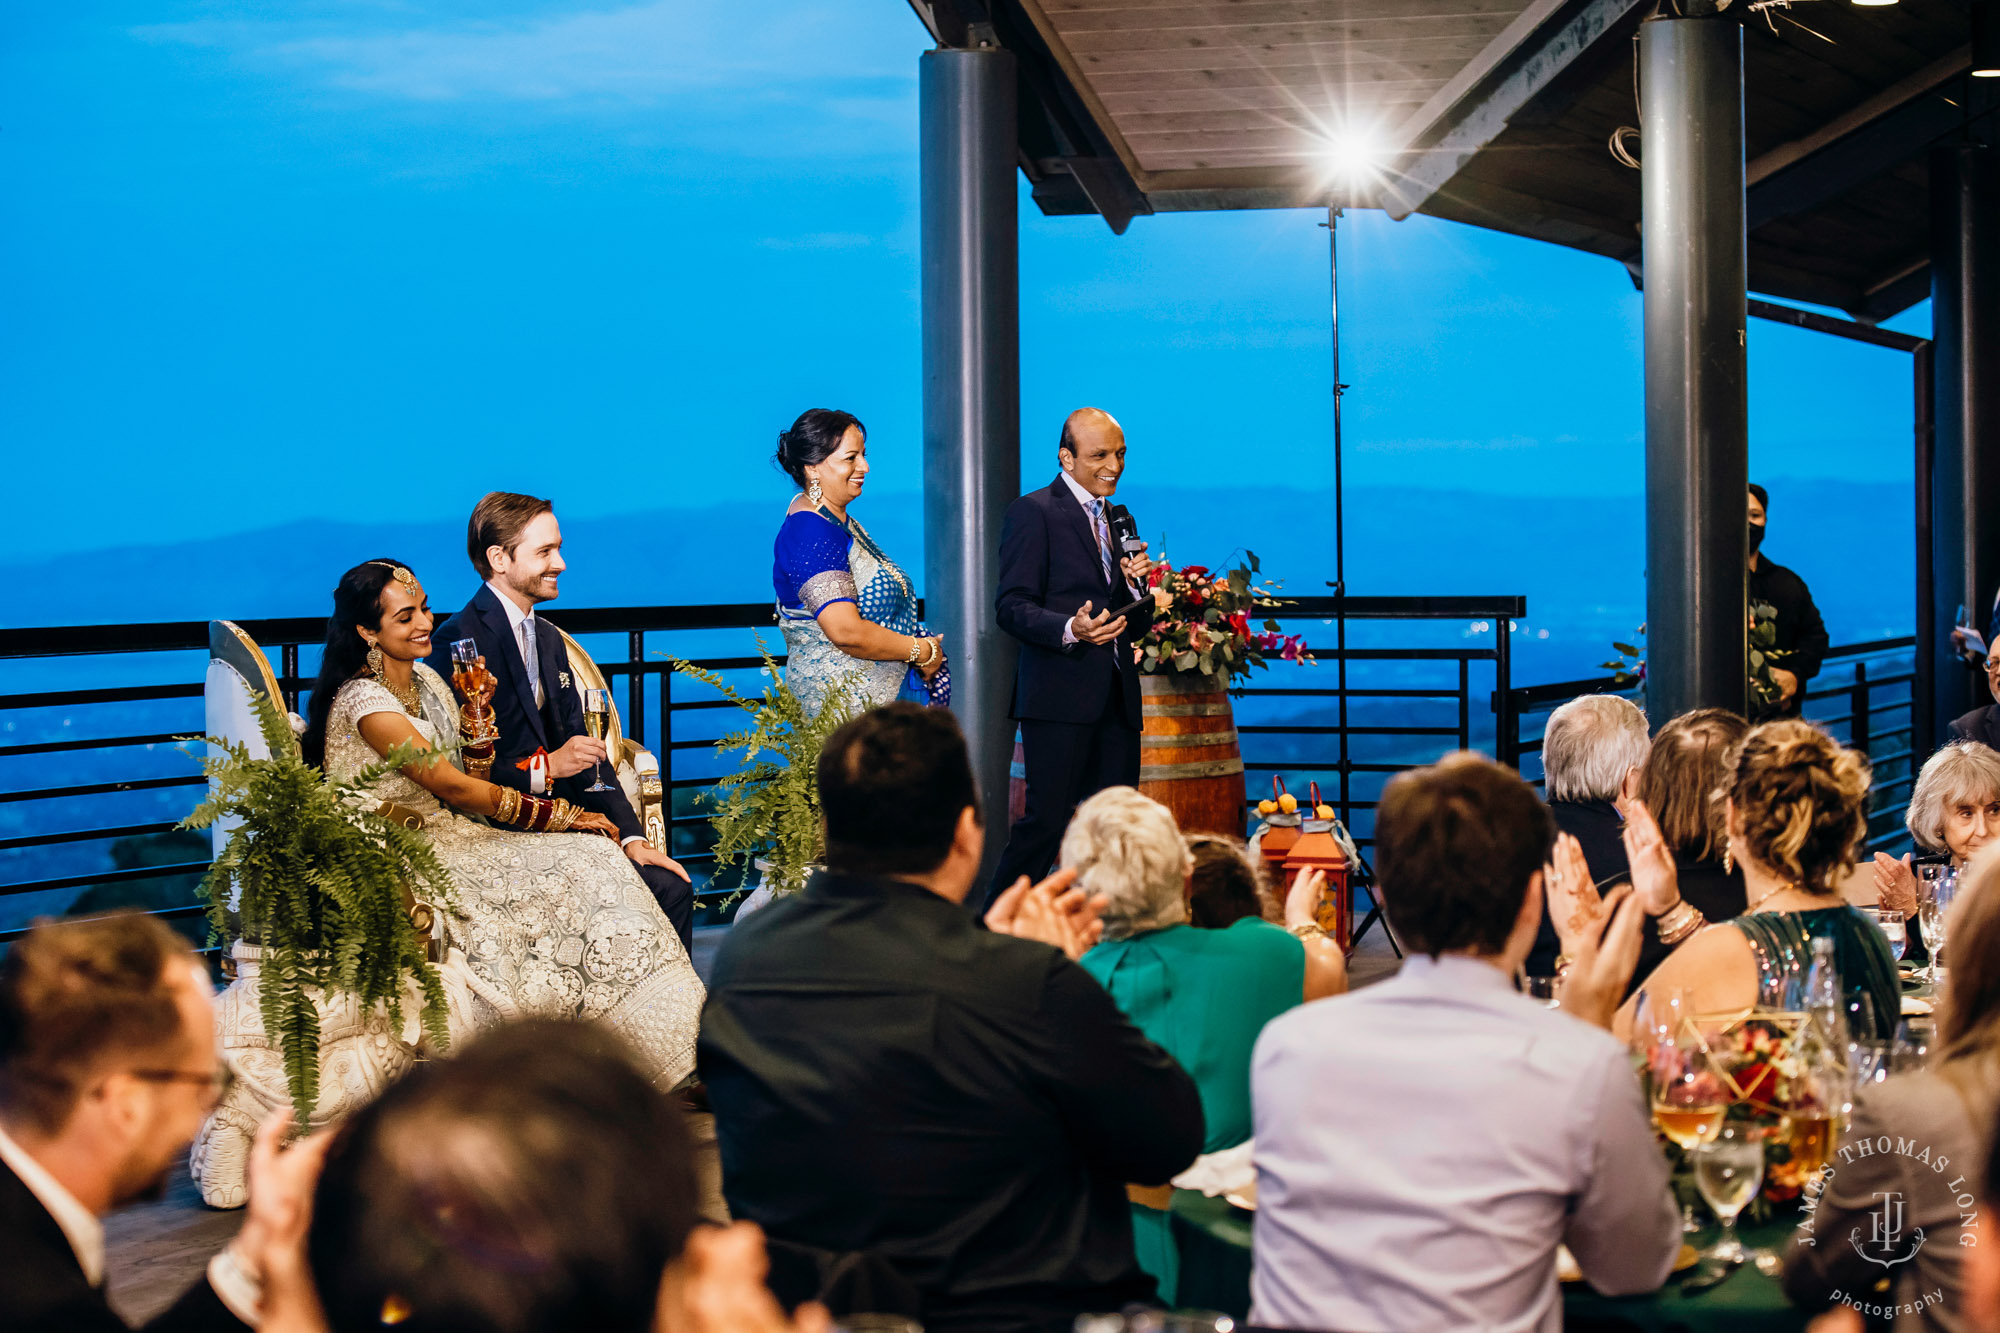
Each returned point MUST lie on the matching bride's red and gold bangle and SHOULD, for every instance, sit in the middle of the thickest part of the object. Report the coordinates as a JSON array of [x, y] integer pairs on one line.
[[534, 814]]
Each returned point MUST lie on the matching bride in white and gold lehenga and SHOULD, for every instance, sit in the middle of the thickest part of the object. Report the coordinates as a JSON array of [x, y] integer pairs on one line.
[[551, 918]]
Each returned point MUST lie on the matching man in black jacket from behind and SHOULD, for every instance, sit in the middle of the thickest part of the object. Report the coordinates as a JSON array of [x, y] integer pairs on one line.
[[891, 1080], [107, 1067]]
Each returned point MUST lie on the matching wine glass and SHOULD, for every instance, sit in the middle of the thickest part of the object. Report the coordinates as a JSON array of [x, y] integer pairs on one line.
[[597, 721], [1541, 990], [1932, 910], [1913, 1045], [1689, 1101], [1729, 1170]]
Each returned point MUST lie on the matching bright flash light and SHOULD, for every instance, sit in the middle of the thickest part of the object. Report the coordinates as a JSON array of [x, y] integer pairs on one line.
[[1353, 152]]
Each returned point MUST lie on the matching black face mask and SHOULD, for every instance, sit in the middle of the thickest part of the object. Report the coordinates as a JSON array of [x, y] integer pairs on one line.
[[1756, 537]]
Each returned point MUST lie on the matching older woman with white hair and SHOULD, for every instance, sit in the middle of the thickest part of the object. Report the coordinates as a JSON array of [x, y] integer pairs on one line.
[[1954, 811], [1202, 995], [1592, 750]]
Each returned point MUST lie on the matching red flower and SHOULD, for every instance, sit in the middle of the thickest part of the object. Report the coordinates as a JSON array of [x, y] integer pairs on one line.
[[1759, 1081], [1240, 622]]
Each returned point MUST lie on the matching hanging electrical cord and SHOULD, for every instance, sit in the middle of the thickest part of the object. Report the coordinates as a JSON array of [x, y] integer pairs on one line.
[[1618, 136]]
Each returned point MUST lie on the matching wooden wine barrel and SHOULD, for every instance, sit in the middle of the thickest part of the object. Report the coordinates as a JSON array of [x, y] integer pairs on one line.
[[1189, 758]]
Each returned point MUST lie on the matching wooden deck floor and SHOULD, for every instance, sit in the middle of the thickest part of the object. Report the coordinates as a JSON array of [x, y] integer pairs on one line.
[[155, 1250]]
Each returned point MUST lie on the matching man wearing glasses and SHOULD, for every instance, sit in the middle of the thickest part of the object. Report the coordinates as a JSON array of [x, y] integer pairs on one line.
[[108, 1067], [1983, 724]]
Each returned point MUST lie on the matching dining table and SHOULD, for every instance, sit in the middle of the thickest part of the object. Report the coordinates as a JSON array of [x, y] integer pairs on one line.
[[1213, 1237]]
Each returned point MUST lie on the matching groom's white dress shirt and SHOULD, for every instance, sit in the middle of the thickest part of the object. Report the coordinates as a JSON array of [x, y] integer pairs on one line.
[[1424, 1144]]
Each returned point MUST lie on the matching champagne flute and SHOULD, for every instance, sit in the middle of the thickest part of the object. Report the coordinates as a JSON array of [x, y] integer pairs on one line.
[[1729, 1170], [597, 722], [467, 674]]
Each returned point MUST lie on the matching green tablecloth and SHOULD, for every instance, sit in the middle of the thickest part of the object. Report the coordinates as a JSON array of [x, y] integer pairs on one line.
[[1214, 1241]]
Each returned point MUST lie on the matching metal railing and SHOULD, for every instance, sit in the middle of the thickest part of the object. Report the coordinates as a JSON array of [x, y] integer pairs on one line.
[[1861, 695], [101, 764]]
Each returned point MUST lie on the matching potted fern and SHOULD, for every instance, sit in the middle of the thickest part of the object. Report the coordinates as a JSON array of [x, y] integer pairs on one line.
[[766, 811], [316, 882]]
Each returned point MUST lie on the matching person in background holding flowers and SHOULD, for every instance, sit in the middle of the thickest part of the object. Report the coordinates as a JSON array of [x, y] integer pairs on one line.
[[848, 611], [1201, 995], [1795, 806], [1945, 1112], [1954, 810]]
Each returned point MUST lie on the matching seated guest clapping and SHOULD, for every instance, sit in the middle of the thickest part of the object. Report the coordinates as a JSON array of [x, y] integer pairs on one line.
[[534, 1182], [1954, 810], [1932, 1117], [1424, 1144], [107, 1066], [890, 1079], [1592, 750], [1203, 995], [1223, 886]]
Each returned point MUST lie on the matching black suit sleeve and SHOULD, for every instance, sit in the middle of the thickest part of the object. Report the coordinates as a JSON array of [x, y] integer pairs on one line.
[[1135, 1111], [1024, 579], [199, 1310], [611, 804]]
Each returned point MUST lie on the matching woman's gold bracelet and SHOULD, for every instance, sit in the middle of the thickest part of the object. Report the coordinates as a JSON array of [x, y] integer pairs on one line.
[[1680, 921], [916, 645]]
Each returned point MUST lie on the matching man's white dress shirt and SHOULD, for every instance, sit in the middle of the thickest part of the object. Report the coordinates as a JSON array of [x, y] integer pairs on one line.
[[1425, 1143], [1091, 513]]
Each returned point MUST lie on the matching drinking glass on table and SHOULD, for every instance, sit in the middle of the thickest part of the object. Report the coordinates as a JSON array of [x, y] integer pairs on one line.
[[1729, 1170], [597, 721], [1894, 928], [1541, 989], [1689, 1101]]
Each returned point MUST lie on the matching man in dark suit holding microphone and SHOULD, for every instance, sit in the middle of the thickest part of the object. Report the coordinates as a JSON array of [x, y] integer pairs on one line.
[[1071, 565]]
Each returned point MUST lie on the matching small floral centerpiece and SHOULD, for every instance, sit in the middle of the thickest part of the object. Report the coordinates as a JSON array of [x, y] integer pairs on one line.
[[1767, 1071], [1201, 622], [1766, 696]]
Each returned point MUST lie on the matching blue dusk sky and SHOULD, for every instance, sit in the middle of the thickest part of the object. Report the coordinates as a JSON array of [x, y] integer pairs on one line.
[[267, 264]]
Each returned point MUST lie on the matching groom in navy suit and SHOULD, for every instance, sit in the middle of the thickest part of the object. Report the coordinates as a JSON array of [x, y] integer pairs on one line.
[[1076, 690], [516, 545]]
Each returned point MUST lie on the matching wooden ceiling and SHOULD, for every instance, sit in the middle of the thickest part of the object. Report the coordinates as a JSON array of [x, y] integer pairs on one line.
[[1497, 113]]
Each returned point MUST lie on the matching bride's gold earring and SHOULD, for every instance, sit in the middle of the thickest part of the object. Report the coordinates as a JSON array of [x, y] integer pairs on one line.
[[813, 492], [375, 660]]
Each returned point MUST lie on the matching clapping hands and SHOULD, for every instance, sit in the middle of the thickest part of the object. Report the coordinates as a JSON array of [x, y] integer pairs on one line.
[[1600, 935], [1052, 911]]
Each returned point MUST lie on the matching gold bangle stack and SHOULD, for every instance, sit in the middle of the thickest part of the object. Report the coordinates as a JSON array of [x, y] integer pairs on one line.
[[534, 814], [1680, 921], [1310, 930]]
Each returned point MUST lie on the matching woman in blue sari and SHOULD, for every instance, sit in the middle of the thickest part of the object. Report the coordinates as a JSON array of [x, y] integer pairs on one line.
[[848, 611]]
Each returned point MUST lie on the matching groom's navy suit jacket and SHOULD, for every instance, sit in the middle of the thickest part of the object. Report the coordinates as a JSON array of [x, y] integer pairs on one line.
[[523, 727], [1050, 566]]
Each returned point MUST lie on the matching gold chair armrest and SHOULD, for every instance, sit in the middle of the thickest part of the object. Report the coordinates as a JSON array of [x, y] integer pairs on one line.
[[652, 799]]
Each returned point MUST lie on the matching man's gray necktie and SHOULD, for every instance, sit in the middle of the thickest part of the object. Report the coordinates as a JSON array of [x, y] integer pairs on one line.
[[532, 657], [1103, 535]]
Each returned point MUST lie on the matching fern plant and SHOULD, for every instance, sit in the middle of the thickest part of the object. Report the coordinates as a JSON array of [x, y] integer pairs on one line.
[[767, 808], [318, 879]]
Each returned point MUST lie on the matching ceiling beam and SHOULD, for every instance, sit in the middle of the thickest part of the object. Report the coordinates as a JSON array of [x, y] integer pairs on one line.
[[1856, 147], [1536, 58]]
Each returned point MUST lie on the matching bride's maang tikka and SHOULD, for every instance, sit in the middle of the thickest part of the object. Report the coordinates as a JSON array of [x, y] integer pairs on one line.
[[404, 577]]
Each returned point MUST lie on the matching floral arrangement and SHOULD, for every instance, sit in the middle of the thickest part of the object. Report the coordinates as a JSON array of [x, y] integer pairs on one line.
[[322, 882], [1629, 666], [1769, 1070], [767, 808], [1201, 622]]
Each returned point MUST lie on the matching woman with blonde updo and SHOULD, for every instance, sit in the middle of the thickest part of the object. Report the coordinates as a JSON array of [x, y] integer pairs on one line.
[[1794, 804]]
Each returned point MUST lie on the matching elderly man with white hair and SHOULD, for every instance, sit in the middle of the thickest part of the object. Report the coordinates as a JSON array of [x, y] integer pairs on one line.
[[1592, 750], [1201, 995]]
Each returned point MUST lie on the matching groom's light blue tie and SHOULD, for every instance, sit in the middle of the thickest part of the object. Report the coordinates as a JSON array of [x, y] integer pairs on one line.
[[1103, 535]]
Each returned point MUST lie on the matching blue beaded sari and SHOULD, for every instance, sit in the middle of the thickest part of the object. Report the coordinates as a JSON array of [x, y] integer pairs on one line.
[[818, 562]]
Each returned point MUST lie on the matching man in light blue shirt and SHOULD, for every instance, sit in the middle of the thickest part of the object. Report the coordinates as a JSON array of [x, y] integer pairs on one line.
[[1424, 1144]]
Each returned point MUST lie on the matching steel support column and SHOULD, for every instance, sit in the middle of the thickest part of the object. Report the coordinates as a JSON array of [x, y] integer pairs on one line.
[[972, 389], [1965, 472], [1697, 459]]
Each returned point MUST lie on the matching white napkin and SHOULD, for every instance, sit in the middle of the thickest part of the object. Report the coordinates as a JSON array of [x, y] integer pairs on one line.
[[1222, 1172]]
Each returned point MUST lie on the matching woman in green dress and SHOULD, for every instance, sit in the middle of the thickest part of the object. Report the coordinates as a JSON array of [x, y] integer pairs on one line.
[[1202, 995]]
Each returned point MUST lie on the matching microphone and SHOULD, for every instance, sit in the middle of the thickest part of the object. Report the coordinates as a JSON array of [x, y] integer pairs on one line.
[[1124, 528]]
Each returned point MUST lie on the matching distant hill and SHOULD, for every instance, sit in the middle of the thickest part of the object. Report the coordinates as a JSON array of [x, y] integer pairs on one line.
[[1578, 561]]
